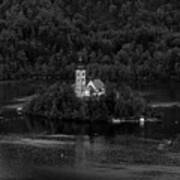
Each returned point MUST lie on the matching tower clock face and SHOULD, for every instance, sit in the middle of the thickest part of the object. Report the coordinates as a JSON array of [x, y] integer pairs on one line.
[[80, 74]]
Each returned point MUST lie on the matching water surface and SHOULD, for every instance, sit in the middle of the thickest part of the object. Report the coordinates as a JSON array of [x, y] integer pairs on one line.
[[83, 157], [76, 157]]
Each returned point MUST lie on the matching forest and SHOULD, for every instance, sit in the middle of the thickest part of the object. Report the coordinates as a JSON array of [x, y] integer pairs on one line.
[[58, 104], [120, 40]]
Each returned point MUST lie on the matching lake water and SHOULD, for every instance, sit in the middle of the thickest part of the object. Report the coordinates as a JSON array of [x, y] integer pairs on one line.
[[24, 156], [165, 97], [76, 158]]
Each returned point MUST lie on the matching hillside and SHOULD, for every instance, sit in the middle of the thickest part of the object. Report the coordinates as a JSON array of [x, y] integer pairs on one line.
[[119, 40]]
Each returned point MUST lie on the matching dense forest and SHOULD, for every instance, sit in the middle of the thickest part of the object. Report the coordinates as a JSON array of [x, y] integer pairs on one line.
[[58, 104], [119, 40]]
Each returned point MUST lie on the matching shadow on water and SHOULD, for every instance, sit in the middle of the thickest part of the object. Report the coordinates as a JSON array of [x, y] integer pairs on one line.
[[168, 128]]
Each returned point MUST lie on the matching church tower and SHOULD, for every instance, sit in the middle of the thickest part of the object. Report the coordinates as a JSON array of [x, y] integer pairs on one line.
[[80, 79]]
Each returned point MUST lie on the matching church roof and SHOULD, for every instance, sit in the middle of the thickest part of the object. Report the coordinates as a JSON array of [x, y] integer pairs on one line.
[[98, 84]]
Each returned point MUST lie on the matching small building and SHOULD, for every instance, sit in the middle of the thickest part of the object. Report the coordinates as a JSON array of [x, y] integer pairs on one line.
[[82, 89], [95, 88]]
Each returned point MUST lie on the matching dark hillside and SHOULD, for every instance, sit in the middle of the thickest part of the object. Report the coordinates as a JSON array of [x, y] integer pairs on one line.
[[119, 40]]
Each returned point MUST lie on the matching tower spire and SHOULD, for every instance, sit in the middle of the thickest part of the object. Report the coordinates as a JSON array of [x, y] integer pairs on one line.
[[80, 59], [80, 79]]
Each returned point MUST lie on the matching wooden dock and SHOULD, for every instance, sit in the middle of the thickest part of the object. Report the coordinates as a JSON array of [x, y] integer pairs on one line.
[[140, 120]]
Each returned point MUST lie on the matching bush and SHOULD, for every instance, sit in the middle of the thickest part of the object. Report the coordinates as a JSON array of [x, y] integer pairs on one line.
[[59, 104]]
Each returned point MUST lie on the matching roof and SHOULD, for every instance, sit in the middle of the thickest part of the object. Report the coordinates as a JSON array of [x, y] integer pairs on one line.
[[98, 84]]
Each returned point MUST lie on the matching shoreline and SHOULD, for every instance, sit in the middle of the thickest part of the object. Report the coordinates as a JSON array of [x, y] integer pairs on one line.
[[165, 104], [138, 83]]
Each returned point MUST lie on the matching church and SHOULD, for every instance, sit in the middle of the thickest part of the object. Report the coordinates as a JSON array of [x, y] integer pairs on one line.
[[83, 88]]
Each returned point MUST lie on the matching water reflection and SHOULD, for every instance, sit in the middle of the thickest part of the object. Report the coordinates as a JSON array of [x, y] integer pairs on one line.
[[19, 157], [25, 157], [76, 157], [160, 93]]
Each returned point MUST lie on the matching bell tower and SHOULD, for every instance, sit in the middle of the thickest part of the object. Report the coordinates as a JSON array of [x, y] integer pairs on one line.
[[80, 79]]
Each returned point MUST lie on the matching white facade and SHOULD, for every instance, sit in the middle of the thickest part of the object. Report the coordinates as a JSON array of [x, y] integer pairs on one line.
[[92, 88], [80, 82]]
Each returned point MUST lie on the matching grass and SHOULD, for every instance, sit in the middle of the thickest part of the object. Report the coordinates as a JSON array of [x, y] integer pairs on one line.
[[133, 150], [123, 149]]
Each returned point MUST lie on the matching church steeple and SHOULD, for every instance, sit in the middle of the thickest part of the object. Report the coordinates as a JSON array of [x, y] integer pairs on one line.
[[80, 79]]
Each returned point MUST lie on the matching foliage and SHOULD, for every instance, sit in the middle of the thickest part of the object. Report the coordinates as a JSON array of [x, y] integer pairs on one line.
[[59, 104], [131, 41], [123, 102], [58, 101]]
